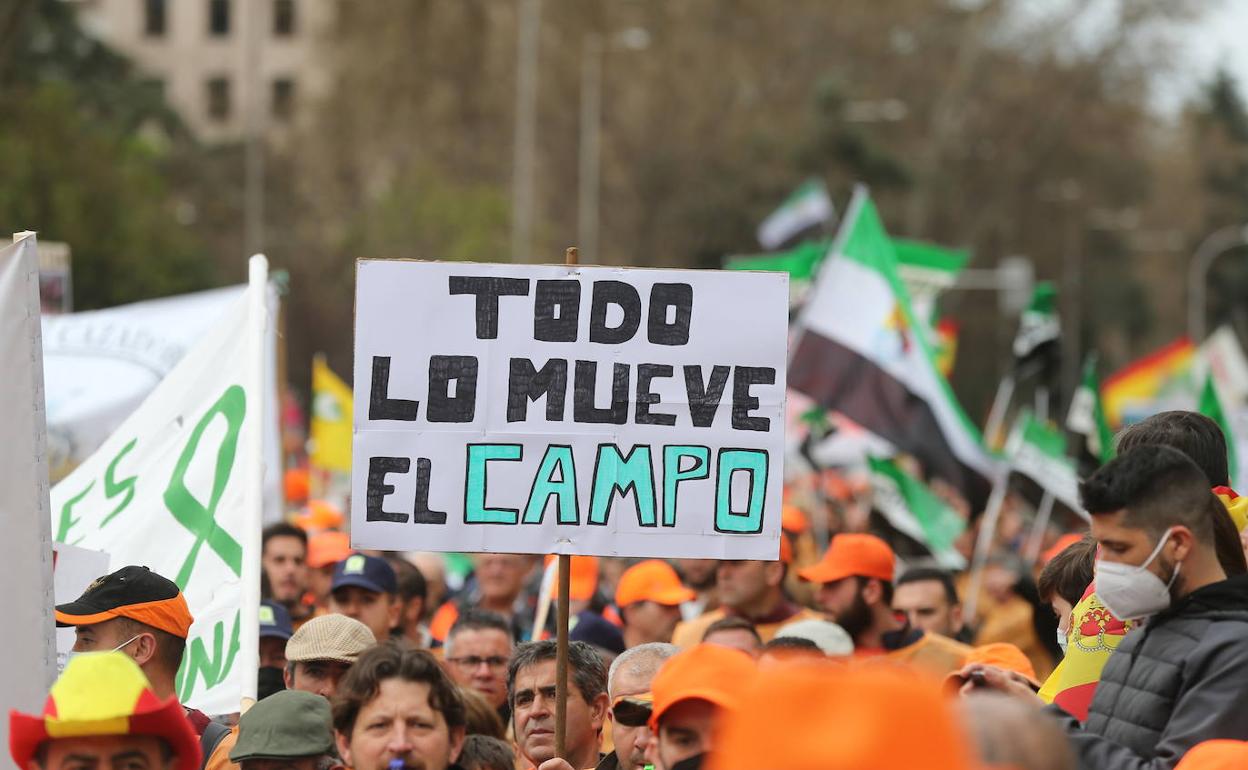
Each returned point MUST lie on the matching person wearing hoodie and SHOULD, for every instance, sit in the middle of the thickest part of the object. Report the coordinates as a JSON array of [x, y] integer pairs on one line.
[[1178, 679]]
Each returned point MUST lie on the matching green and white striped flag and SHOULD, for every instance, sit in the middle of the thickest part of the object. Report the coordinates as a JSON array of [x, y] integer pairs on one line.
[[916, 512], [927, 270], [807, 209], [1087, 419], [801, 263], [1211, 407], [860, 350], [1038, 452]]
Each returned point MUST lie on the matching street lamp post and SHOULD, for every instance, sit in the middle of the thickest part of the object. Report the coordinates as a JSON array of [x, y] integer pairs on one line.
[[1210, 249], [590, 150]]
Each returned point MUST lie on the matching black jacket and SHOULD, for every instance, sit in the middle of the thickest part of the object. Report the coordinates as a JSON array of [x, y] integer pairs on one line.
[[1180, 679]]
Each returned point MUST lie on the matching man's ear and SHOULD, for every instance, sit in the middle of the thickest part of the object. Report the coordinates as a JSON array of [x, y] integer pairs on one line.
[[872, 592], [1183, 541], [598, 710], [775, 573], [288, 675], [956, 614], [144, 648], [458, 734], [395, 611], [344, 747]]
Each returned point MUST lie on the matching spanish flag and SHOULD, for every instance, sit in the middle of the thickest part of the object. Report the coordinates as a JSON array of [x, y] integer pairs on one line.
[[331, 419], [1094, 635]]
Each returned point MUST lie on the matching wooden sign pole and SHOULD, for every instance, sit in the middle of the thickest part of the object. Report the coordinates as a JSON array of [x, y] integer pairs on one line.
[[561, 627]]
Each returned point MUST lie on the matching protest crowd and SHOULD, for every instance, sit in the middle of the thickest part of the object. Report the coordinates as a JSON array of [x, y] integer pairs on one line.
[[1123, 647], [575, 517]]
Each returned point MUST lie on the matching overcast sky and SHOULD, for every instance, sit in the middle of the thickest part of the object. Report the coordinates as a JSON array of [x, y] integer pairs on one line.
[[1220, 40]]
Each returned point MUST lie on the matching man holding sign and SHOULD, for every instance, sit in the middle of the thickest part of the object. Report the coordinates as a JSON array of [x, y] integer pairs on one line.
[[569, 409]]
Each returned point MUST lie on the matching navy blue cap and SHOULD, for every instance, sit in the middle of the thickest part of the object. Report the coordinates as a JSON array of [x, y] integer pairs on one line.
[[592, 628], [367, 572], [275, 620]]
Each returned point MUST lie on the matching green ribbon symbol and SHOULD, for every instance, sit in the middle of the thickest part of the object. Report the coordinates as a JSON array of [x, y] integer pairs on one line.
[[200, 519]]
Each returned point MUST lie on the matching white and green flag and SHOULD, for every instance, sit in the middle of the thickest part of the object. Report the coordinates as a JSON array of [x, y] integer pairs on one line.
[[808, 209], [177, 488], [1038, 452], [859, 349], [916, 512]]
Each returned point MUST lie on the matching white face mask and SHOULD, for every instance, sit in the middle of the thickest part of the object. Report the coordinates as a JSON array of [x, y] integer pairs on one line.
[[1130, 592], [75, 653], [1061, 641]]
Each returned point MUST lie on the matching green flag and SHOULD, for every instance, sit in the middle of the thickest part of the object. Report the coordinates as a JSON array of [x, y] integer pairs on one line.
[[1211, 407], [1087, 418], [1038, 451], [799, 262], [915, 511], [927, 270]]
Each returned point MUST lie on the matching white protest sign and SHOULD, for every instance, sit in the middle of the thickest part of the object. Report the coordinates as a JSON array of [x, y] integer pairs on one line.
[[172, 489], [73, 569], [25, 547], [566, 409]]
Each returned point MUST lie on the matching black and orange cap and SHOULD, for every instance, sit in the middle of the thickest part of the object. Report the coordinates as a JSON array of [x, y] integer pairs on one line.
[[136, 593]]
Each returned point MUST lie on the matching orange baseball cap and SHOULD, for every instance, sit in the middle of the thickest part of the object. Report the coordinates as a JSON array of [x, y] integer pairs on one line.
[[793, 520], [1063, 542], [1215, 755], [132, 592], [651, 581], [583, 578], [319, 516], [328, 548], [886, 719], [706, 672], [852, 555], [1000, 654]]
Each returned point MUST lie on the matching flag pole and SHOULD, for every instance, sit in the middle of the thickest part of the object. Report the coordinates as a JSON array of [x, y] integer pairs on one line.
[[1000, 403], [983, 543], [1035, 540], [253, 451], [571, 257]]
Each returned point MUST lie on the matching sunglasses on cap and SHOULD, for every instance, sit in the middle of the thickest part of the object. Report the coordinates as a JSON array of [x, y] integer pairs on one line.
[[632, 710]]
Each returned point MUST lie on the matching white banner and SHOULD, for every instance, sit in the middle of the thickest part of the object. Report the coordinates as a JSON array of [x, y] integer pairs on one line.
[[585, 410], [100, 364], [25, 547], [73, 570], [170, 490]]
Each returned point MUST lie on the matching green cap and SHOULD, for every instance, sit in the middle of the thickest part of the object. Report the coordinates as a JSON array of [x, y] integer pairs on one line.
[[286, 724]]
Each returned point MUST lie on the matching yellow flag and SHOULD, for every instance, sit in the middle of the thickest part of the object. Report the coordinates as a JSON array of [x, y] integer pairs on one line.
[[331, 419]]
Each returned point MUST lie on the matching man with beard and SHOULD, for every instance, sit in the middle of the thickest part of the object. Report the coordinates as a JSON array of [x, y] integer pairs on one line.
[[753, 590], [855, 589], [283, 556]]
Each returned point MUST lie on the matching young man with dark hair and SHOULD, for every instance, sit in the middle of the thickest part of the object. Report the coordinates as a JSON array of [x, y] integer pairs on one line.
[[283, 556], [397, 705], [531, 693], [1179, 679], [1200, 438], [413, 593], [366, 589], [477, 651], [855, 589], [928, 598], [737, 633]]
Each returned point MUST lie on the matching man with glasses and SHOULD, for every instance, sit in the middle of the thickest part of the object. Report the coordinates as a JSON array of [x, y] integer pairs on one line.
[[628, 685], [477, 651]]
